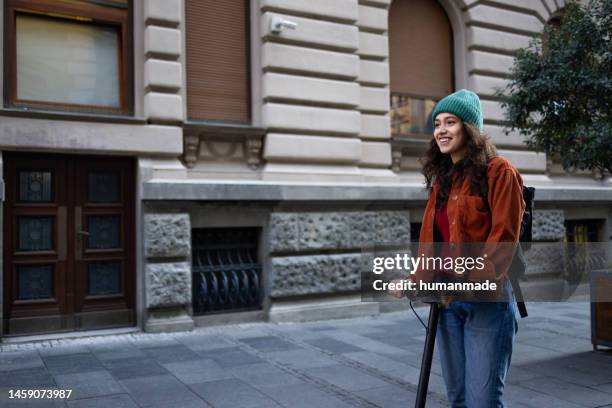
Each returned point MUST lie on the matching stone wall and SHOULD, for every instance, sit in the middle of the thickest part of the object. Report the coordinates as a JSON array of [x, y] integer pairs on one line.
[[325, 86], [167, 248], [546, 259], [297, 266]]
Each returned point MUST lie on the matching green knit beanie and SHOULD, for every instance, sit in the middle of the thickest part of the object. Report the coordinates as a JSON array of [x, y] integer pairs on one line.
[[464, 104]]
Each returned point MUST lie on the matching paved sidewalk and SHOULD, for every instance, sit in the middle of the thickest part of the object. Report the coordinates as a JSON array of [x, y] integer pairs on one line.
[[365, 362]]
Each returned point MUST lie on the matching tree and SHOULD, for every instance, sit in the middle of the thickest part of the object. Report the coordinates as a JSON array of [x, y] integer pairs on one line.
[[559, 94]]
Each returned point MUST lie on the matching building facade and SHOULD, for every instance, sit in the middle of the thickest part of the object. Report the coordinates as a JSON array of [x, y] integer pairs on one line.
[[171, 163]]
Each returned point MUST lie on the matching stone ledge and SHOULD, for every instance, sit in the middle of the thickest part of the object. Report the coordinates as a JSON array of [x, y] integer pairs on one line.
[[65, 136], [179, 189], [319, 309]]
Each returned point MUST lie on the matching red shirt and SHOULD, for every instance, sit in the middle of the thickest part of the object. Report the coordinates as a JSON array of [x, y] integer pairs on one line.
[[444, 229], [442, 223]]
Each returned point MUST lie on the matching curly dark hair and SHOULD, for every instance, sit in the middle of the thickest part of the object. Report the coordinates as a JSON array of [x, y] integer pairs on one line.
[[439, 168]]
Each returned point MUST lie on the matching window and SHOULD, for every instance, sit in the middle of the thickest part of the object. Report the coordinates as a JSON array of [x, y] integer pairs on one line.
[[581, 231], [68, 55], [421, 63], [217, 62], [226, 270]]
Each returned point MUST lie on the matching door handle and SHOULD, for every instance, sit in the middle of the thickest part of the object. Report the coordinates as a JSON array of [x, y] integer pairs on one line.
[[80, 232], [61, 233], [78, 229]]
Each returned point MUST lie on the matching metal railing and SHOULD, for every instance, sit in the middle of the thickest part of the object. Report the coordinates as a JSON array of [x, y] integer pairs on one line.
[[226, 271]]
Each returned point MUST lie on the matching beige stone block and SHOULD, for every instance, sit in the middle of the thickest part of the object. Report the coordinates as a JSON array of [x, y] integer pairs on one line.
[[163, 74], [486, 14], [373, 18], [536, 6], [375, 126], [483, 61], [311, 172], [494, 39], [160, 107], [298, 88], [374, 99], [373, 45], [376, 3], [344, 10], [499, 138], [82, 137], [168, 11], [552, 6], [161, 41], [492, 110], [315, 32], [485, 85], [375, 154], [373, 72], [308, 60], [525, 160], [312, 149], [307, 118]]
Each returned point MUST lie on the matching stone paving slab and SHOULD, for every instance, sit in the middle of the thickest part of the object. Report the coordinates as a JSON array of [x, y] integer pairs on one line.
[[362, 362]]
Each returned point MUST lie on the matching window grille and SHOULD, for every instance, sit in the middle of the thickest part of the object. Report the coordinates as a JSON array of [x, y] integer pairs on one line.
[[226, 270]]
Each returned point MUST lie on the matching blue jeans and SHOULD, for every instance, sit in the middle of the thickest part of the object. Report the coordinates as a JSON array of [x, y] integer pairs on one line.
[[475, 346]]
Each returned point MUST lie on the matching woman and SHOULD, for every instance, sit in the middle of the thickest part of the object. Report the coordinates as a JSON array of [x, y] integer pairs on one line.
[[462, 170]]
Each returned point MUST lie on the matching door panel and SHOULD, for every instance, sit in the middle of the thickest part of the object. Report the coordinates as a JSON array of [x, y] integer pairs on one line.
[[35, 264], [68, 243], [104, 249]]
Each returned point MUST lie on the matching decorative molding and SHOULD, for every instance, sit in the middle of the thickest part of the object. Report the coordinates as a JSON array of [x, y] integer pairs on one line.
[[248, 138], [396, 159], [253, 144], [192, 147]]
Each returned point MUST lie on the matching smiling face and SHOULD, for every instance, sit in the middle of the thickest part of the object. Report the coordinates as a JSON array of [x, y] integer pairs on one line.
[[450, 135]]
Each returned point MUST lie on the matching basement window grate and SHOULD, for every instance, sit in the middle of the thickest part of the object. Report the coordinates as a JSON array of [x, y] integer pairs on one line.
[[226, 270]]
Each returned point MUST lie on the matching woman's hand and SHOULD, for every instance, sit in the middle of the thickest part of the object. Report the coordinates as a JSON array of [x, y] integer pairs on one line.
[[396, 293]]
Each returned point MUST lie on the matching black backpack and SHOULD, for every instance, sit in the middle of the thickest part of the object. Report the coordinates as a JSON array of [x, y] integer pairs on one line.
[[519, 265]]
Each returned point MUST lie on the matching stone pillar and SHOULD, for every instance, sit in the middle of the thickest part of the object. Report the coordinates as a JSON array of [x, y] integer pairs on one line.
[[167, 245], [163, 71]]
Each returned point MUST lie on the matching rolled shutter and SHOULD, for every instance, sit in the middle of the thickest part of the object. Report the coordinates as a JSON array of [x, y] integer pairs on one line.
[[420, 49], [217, 47]]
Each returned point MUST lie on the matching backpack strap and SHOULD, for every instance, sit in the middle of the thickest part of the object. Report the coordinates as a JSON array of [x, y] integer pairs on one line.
[[518, 260]]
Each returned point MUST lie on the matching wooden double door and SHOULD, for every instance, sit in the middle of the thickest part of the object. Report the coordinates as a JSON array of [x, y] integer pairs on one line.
[[68, 243]]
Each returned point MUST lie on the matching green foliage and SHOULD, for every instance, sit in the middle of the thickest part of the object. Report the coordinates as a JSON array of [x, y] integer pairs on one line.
[[559, 95]]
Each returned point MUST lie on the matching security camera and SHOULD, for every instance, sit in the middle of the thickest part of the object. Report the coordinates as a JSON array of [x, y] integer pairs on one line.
[[278, 24]]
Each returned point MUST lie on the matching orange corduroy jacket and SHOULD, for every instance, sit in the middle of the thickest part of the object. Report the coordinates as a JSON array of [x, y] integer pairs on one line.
[[471, 222]]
